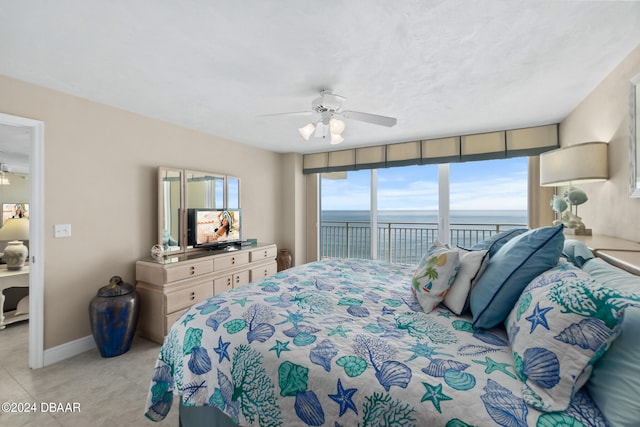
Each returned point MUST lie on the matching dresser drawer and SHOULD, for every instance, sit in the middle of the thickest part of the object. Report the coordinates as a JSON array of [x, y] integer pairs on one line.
[[231, 260], [222, 284], [268, 252], [170, 319], [241, 278], [182, 299], [180, 272], [263, 271]]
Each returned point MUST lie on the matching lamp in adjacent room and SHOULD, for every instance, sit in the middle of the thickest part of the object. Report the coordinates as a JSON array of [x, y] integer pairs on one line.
[[15, 231], [580, 163], [4, 179]]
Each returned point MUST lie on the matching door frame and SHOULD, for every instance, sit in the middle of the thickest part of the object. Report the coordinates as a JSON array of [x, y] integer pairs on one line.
[[36, 235]]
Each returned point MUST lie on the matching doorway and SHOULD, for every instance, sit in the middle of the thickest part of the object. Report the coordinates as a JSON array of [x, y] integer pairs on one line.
[[34, 131]]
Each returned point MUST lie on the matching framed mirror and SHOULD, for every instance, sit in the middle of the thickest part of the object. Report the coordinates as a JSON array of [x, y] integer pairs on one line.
[[180, 190], [204, 190], [634, 129], [170, 202], [233, 193]]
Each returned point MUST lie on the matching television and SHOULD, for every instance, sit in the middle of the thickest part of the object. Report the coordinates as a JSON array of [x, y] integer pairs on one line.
[[213, 228]]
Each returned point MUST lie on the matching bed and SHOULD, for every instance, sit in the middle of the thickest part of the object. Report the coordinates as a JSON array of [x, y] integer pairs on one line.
[[350, 342]]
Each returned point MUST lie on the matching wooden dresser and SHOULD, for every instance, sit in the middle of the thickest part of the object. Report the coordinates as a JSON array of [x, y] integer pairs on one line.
[[170, 285]]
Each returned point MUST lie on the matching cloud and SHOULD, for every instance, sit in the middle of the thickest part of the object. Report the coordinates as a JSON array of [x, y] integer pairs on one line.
[[492, 185]]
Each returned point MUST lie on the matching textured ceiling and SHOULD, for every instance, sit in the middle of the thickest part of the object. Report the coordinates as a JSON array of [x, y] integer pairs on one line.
[[440, 67]]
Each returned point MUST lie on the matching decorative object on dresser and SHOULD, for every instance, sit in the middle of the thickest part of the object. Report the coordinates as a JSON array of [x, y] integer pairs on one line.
[[15, 230], [157, 251], [580, 163], [283, 259], [114, 317], [169, 285]]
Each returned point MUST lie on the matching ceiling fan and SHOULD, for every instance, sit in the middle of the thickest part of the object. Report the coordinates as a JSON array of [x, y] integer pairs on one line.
[[329, 106]]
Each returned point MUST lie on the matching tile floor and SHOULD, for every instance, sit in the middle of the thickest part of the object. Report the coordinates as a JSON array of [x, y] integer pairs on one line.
[[109, 391]]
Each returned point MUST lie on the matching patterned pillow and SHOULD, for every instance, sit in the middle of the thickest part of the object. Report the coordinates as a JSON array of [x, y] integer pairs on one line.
[[562, 324], [434, 276]]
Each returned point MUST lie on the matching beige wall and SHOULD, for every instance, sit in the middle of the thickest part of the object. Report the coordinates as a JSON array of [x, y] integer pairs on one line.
[[101, 177], [604, 116], [292, 213]]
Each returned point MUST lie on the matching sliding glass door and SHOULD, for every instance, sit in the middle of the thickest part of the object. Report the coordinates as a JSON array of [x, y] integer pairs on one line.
[[406, 208]]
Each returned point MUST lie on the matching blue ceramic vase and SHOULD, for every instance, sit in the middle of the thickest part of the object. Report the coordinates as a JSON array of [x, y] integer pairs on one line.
[[114, 317]]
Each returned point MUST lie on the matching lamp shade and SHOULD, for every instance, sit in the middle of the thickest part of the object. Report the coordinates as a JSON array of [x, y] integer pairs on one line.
[[307, 131], [580, 163], [336, 126], [336, 138], [15, 229]]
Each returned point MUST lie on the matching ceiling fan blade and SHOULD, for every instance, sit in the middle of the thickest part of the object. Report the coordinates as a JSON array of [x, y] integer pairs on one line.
[[295, 113], [370, 118]]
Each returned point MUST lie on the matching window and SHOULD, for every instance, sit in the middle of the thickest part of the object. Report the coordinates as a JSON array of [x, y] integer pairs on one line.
[[409, 207], [345, 214]]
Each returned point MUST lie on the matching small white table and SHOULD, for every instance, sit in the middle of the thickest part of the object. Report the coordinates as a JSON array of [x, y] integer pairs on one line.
[[12, 279]]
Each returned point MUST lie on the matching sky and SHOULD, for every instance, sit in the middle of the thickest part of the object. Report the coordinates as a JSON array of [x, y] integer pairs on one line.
[[480, 185]]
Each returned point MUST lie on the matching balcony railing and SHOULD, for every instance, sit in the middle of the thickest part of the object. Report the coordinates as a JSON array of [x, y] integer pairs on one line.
[[398, 242]]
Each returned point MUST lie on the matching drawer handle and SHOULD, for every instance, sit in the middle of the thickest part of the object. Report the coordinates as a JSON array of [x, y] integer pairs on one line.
[[265, 254], [192, 295], [233, 260], [238, 279], [228, 281], [265, 272], [192, 270]]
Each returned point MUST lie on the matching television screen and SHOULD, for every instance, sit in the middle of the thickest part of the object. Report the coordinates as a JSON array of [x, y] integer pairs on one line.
[[14, 210], [212, 227]]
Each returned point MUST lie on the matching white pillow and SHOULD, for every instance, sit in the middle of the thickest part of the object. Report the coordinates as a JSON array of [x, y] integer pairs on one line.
[[23, 306], [472, 264], [434, 276]]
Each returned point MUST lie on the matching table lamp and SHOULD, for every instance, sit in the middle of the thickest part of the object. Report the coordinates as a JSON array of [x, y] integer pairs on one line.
[[580, 163]]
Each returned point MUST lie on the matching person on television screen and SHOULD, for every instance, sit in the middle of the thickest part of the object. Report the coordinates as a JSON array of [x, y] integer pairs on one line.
[[226, 222], [19, 211]]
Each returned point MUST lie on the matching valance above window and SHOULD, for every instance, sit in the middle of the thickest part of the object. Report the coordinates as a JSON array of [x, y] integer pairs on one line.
[[485, 146]]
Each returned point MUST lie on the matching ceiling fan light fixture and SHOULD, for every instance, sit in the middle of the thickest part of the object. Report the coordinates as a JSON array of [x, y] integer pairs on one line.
[[336, 126], [321, 130], [336, 138], [307, 131]]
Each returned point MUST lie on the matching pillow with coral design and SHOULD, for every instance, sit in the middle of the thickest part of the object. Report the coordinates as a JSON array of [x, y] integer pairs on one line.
[[434, 275], [564, 321]]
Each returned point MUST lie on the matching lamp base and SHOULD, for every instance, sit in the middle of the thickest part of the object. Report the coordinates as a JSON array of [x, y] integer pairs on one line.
[[15, 254], [578, 231]]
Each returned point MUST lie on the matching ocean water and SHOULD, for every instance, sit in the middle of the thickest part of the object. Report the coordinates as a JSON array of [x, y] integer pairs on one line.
[[420, 216], [405, 235]]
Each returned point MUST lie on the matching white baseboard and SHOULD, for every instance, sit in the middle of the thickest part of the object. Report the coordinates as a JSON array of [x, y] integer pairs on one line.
[[69, 349]]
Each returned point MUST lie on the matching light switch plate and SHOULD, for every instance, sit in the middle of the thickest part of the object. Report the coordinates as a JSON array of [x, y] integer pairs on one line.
[[62, 230]]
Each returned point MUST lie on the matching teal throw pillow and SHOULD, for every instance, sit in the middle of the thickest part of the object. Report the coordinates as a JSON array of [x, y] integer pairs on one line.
[[612, 276], [614, 384], [576, 252], [495, 242], [510, 270]]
